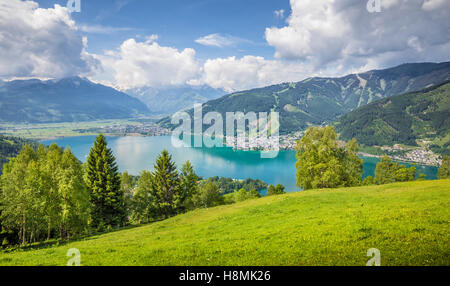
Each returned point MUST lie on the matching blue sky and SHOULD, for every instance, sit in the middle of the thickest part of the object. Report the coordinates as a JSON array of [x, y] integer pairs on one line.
[[178, 23], [224, 44]]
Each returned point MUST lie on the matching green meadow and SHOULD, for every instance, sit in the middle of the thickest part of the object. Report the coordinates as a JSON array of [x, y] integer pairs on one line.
[[407, 222]]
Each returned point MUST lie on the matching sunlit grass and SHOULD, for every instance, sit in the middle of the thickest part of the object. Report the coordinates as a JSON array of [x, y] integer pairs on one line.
[[407, 222]]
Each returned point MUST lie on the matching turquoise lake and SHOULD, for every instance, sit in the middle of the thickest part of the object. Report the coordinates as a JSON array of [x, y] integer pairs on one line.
[[135, 154]]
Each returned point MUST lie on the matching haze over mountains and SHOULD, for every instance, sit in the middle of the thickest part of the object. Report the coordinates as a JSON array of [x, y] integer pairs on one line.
[[65, 100], [168, 100], [322, 100], [311, 101]]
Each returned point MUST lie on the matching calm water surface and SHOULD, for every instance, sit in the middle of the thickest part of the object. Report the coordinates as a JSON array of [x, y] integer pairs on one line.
[[135, 154]]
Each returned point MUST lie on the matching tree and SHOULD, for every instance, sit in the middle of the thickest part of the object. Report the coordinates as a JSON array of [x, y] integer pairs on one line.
[[103, 181], [143, 204], [322, 163], [43, 195], [188, 185], [278, 190], [207, 196], [253, 194], [444, 170], [388, 172], [127, 187], [271, 190], [241, 195], [368, 181], [74, 196], [167, 192]]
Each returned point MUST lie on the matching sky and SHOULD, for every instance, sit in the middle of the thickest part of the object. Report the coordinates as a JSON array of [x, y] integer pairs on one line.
[[225, 44]]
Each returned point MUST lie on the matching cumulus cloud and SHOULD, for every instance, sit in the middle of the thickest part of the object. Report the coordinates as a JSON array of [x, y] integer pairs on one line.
[[343, 35], [138, 64], [232, 74], [36, 42]]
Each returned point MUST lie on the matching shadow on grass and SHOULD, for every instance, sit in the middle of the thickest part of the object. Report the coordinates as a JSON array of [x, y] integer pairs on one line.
[[60, 242]]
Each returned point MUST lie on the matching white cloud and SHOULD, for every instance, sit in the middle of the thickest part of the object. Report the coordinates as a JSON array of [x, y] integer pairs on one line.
[[217, 40], [36, 42], [343, 35], [232, 74], [99, 29], [430, 5], [138, 64], [279, 13]]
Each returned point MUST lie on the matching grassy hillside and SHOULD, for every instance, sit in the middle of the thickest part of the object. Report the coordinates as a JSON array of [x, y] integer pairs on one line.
[[407, 222], [319, 100], [404, 119]]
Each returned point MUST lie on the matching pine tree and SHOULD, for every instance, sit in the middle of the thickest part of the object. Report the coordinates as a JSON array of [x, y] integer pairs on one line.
[[103, 181], [188, 185], [167, 191]]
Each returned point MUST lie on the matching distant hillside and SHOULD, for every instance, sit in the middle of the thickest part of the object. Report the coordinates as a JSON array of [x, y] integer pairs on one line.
[[408, 222], [319, 100], [10, 147], [406, 118], [165, 101], [65, 100]]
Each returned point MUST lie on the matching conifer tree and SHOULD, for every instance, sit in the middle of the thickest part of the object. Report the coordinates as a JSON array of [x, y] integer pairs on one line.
[[103, 181], [188, 185], [167, 191]]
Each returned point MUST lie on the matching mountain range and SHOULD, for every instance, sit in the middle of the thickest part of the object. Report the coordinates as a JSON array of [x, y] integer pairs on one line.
[[410, 119], [167, 100], [65, 100], [320, 100]]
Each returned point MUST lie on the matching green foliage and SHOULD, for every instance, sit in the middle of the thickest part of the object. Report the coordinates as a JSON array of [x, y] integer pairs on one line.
[[188, 185], [444, 170], [368, 181], [43, 196], [321, 163], [103, 181], [388, 172], [278, 190], [402, 119], [229, 185], [143, 206], [127, 188], [243, 195], [207, 196], [167, 190], [10, 148]]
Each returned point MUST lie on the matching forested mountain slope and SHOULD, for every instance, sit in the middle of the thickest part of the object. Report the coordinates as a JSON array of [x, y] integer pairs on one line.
[[405, 118], [320, 100], [10, 148]]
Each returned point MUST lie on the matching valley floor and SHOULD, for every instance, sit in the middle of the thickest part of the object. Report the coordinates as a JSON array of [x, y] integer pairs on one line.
[[407, 222]]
